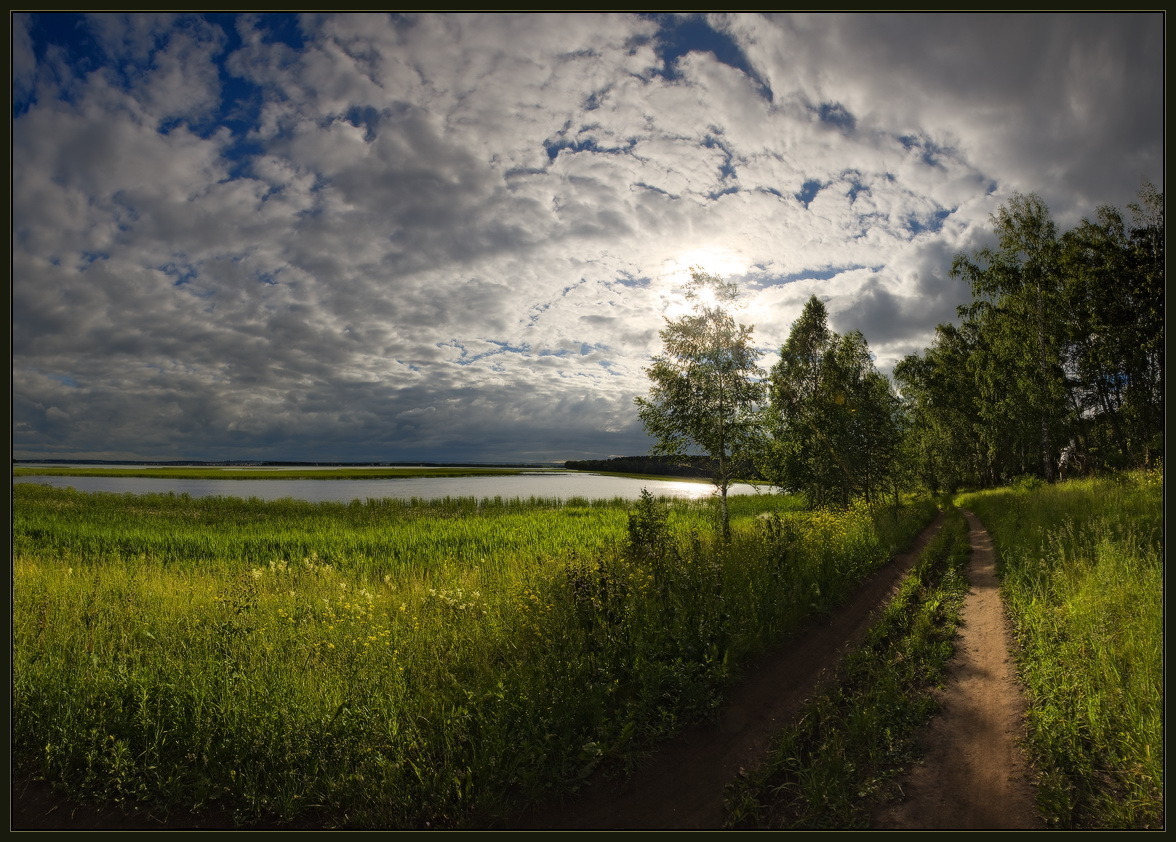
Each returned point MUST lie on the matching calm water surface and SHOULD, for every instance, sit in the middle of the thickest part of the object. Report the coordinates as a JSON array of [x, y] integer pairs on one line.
[[562, 486]]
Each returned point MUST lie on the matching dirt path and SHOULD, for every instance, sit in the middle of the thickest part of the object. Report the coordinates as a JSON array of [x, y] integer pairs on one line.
[[681, 786], [974, 775]]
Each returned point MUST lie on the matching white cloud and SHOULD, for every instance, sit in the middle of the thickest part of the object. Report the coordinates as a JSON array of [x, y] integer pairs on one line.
[[400, 268]]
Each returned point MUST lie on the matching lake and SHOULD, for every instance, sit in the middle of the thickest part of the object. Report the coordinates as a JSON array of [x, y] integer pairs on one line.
[[558, 485]]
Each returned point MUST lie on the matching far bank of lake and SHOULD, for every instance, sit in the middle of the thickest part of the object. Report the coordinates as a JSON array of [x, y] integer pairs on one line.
[[522, 486]]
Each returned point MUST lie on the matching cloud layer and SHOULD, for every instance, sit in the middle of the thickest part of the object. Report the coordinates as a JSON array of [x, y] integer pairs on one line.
[[452, 237]]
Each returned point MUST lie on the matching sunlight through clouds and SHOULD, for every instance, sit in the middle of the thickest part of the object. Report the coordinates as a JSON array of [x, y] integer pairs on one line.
[[455, 236]]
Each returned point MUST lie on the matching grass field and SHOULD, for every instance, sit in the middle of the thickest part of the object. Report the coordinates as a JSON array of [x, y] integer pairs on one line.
[[393, 663]]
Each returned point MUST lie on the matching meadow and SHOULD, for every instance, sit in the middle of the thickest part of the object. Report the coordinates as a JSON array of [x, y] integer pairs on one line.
[[1082, 576], [394, 663]]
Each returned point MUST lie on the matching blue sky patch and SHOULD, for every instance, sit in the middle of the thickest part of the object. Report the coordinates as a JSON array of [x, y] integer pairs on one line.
[[836, 115], [65, 380], [808, 191], [930, 223], [679, 35]]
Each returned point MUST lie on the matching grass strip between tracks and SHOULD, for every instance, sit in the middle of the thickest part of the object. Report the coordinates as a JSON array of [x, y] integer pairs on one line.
[[856, 736]]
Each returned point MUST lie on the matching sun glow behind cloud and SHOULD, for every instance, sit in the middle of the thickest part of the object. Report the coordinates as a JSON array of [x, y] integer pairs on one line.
[[677, 272], [455, 236], [713, 260]]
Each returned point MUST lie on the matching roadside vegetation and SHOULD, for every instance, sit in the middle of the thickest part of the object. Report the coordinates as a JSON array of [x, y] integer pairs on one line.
[[1082, 576], [830, 768], [393, 663], [1081, 569]]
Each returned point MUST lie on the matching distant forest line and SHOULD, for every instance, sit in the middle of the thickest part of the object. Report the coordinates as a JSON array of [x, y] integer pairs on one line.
[[669, 466]]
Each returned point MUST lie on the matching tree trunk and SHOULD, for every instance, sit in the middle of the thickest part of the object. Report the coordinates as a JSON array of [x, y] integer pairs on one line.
[[726, 514], [724, 481], [1047, 462]]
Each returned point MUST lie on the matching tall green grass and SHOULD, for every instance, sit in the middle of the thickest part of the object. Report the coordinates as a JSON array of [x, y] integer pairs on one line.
[[392, 664], [1081, 566]]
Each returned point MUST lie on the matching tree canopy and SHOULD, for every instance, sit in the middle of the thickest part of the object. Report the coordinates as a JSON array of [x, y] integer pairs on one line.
[[706, 385], [833, 422], [1057, 364]]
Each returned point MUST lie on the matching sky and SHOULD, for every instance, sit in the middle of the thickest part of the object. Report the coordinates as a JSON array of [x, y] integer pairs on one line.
[[456, 237]]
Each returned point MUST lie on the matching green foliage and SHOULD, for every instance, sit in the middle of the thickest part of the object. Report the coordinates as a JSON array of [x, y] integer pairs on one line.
[[649, 533], [705, 385], [673, 466], [1057, 365], [1026, 482], [1017, 293], [1115, 291], [1081, 567], [946, 445], [833, 422], [388, 664]]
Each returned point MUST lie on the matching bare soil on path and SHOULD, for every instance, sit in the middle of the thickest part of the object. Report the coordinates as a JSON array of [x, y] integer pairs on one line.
[[974, 775]]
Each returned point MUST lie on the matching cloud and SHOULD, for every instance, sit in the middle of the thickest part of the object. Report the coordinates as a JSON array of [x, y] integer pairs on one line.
[[455, 236], [24, 62]]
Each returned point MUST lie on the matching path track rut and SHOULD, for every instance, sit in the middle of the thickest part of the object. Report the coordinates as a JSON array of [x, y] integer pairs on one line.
[[681, 785], [974, 775]]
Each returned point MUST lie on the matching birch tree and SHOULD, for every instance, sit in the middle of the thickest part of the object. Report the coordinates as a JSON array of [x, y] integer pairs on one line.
[[706, 386]]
